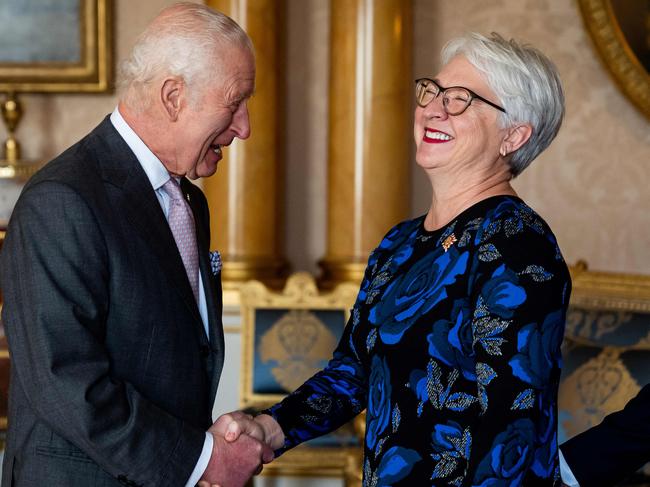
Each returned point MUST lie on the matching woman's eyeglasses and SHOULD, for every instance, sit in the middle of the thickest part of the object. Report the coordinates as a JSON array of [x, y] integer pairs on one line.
[[455, 99]]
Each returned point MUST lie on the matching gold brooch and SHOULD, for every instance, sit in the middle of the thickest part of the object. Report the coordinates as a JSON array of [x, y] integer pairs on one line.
[[449, 241]]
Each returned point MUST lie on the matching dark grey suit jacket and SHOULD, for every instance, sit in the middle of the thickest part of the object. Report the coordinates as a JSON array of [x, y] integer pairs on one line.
[[609, 452], [113, 376]]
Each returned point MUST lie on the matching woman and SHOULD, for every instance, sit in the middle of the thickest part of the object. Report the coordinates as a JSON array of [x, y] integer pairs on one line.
[[453, 346]]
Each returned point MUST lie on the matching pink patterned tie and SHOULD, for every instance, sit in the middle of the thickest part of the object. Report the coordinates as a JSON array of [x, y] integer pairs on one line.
[[181, 223]]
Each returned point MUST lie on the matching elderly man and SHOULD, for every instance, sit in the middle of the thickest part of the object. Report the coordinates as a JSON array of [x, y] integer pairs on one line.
[[112, 307]]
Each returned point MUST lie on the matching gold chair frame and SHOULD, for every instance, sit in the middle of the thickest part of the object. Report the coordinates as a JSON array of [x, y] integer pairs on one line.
[[615, 291]]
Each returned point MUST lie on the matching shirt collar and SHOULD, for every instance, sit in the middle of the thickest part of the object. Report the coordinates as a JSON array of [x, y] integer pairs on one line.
[[153, 168]]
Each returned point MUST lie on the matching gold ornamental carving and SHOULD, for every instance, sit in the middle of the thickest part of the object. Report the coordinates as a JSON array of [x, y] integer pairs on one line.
[[299, 300], [598, 387], [297, 343]]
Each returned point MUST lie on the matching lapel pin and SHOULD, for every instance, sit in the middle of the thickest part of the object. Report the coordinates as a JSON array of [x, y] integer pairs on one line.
[[449, 241]]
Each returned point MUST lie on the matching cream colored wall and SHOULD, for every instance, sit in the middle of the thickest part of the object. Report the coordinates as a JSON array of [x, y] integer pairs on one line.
[[590, 184]]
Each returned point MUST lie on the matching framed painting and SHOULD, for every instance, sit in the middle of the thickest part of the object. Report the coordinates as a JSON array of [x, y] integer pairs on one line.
[[288, 336], [55, 45]]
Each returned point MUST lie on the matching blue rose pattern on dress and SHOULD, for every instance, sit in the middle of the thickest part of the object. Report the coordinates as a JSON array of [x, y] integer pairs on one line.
[[414, 293], [510, 457], [395, 464], [452, 445], [537, 345], [455, 354], [502, 294], [379, 394], [450, 341]]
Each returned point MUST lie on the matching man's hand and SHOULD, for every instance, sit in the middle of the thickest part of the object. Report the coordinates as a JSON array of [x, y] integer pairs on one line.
[[232, 425], [233, 463], [264, 428]]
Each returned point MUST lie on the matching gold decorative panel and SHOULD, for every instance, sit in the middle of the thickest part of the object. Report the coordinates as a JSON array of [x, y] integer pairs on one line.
[[287, 336]]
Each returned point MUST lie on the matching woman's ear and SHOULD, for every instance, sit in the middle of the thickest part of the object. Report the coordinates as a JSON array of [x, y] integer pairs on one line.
[[515, 138], [171, 96]]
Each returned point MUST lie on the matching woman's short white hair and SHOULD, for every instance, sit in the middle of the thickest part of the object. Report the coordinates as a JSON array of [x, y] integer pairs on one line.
[[184, 41], [525, 81]]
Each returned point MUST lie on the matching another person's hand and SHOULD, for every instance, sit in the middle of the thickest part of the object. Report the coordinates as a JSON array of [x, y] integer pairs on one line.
[[233, 463], [263, 427], [232, 425]]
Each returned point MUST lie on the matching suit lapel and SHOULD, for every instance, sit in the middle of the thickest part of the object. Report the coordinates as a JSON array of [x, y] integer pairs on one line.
[[212, 288], [141, 208]]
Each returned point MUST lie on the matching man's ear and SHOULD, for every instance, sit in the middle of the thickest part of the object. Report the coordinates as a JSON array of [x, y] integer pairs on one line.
[[515, 138], [172, 92]]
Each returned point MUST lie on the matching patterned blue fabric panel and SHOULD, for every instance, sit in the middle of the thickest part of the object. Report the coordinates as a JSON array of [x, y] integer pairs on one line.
[[604, 327]]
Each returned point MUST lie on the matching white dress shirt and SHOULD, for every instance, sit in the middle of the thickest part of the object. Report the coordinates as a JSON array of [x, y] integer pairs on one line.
[[565, 472], [158, 176]]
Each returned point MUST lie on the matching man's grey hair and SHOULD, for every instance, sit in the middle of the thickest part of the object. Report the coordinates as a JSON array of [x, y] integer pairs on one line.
[[525, 81], [185, 40]]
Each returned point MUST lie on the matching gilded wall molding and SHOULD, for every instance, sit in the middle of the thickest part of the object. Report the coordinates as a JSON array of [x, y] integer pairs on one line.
[[628, 72]]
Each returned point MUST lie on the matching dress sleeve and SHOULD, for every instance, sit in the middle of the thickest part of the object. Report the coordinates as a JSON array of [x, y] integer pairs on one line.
[[336, 394], [519, 293]]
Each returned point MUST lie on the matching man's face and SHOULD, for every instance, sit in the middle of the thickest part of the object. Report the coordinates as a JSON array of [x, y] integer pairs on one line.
[[214, 118]]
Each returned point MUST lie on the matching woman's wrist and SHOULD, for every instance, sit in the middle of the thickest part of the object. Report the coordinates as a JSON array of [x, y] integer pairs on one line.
[[273, 434]]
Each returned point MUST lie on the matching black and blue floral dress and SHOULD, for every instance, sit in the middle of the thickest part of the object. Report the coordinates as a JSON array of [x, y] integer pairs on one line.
[[453, 346]]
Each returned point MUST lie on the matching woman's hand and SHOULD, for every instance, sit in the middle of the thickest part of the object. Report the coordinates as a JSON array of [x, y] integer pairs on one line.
[[263, 428]]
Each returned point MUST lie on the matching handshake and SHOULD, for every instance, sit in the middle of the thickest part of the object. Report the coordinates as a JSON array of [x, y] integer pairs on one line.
[[242, 444]]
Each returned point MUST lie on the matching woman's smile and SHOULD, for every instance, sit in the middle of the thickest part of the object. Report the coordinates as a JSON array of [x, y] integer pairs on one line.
[[433, 136]]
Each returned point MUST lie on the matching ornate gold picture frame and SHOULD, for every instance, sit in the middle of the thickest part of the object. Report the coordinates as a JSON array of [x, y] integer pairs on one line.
[[612, 44], [42, 51], [286, 337]]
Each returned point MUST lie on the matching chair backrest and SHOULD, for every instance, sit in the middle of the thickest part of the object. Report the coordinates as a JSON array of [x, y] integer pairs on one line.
[[606, 350]]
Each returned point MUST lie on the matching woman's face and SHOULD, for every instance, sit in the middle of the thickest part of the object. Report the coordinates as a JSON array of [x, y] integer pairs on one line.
[[466, 141]]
